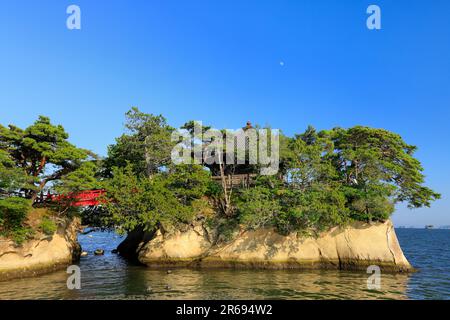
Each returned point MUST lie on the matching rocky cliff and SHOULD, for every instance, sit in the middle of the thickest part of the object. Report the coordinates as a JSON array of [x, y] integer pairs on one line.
[[351, 248], [40, 255]]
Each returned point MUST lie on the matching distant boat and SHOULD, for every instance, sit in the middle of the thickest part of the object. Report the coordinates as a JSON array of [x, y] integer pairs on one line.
[[430, 226]]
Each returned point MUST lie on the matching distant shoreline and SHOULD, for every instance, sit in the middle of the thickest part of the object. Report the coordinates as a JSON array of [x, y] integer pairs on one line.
[[424, 228]]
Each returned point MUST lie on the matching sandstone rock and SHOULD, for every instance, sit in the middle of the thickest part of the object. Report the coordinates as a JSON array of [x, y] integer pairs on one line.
[[42, 255], [180, 248], [352, 248]]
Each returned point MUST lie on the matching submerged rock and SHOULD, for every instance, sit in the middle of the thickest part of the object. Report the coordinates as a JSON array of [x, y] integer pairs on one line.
[[99, 252]]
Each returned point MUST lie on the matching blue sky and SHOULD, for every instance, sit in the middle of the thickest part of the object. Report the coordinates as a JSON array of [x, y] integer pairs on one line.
[[219, 62]]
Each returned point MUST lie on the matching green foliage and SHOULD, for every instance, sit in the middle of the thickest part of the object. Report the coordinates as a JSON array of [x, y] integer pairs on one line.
[[13, 213], [20, 234], [188, 182], [96, 217], [322, 207], [48, 226], [333, 177], [31, 160], [146, 146], [29, 154], [226, 227], [258, 207], [12, 178], [309, 162], [213, 189], [374, 203], [326, 178], [290, 209], [83, 178], [162, 200], [368, 157]]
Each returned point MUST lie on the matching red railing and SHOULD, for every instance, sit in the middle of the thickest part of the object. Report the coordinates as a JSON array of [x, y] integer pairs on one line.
[[76, 199]]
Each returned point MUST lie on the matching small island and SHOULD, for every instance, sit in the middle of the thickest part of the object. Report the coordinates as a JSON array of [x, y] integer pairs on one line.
[[328, 205]]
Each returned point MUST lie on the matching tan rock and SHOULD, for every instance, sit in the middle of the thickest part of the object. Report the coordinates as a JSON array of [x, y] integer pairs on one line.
[[180, 248], [353, 247], [41, 255]]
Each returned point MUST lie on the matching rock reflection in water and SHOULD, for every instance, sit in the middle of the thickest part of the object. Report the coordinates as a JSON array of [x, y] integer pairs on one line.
[[140, 283], [266, 284], [110, 277]]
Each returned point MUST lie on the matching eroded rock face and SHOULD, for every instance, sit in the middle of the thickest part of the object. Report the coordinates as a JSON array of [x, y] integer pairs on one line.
[[133, 243], [42, 255], [352, 248], [180, 248]]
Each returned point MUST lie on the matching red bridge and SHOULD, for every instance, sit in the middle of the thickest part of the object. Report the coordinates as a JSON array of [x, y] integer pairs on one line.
[[77, 199]]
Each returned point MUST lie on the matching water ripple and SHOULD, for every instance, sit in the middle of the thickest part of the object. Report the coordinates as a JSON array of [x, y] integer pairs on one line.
[[111, 277]]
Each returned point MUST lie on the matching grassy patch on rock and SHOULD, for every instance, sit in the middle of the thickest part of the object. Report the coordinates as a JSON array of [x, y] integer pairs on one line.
[[25, 223]]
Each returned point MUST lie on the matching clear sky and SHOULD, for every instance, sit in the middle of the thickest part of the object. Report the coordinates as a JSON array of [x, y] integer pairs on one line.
[[283, 63]]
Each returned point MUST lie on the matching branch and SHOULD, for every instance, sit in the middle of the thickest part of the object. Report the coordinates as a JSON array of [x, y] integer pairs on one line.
[[41, 166]]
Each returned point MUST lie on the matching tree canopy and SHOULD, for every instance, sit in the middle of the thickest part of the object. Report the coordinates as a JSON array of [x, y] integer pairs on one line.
[[34, 159], [146, 144], [326, 178], [42, 154], [164, 200]]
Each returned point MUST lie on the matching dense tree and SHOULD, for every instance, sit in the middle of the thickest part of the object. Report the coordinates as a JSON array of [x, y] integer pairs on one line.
[[13, 209], [32, 159], [332, 177], [146, 145], [12, 178], [326, 178], [258, 207], [308, 163], [84, 178], [42, 153], [188, 182], [13, 213], [162, 201], [380, 168]]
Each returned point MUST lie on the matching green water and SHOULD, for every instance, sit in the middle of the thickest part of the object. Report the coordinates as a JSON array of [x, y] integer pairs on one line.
[[111, 277]]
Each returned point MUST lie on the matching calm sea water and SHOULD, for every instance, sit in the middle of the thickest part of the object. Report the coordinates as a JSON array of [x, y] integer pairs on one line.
[[110, 277]]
